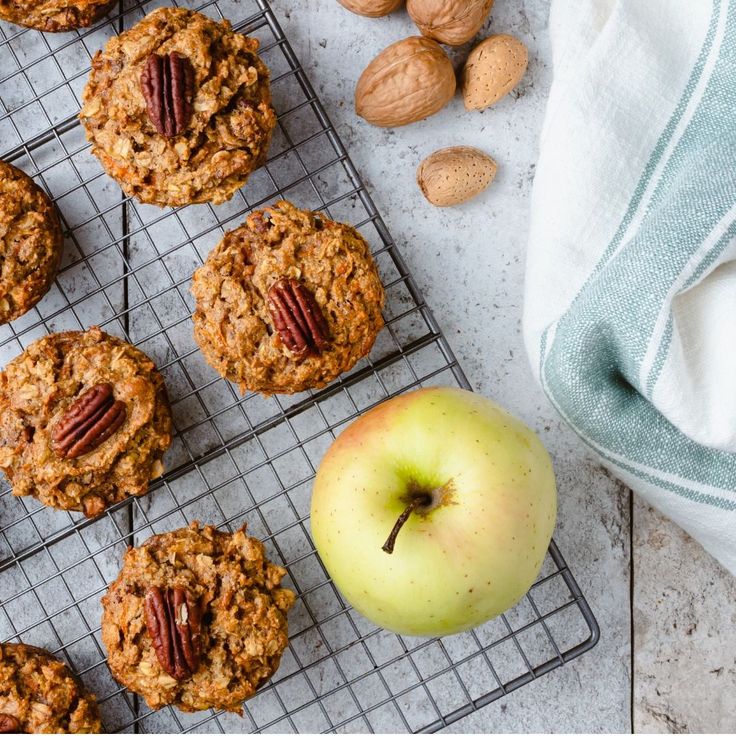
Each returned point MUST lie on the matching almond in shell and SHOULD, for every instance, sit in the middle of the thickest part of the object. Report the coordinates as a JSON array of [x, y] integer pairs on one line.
[[408, 81], [454, 175], [453, 22], [371, 8], [494, 67]]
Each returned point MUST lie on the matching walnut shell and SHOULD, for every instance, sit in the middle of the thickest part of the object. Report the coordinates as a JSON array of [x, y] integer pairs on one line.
[[371, 8], [408, 81], [493, 68], [454, 175], [453, 22]]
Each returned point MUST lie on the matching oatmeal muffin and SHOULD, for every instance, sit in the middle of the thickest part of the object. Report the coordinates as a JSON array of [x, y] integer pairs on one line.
[[40, 694], [178, 108], [30, 243], [84, 421], [54, 15], [196, 619], [288, 301]]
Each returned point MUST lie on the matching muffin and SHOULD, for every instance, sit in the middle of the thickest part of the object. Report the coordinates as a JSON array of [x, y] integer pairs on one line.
[[178, 108], [84, 421], [54, 15], [40, 694], [287, 301], [30, 242], [196, 619]]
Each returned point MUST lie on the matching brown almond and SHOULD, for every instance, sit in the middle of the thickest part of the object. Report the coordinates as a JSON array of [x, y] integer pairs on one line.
[[453, 22], [493, 68], [408, 81], [371, 8], [454, 175]]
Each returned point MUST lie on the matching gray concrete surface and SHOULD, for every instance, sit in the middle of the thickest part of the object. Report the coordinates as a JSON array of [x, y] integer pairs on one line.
[[684, 666], [673, 669]]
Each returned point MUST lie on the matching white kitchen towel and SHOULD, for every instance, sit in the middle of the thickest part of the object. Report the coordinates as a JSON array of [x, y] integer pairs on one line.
[[630, 306]]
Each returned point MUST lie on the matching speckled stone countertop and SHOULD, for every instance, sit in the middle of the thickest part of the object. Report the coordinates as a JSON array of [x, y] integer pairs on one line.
[[665, 662], [666, 659]]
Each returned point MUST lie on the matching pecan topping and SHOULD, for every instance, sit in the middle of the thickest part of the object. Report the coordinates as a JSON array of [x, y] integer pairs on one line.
[[167, 83], [88, 422], [9, 724], [297, 318], [173, 622]]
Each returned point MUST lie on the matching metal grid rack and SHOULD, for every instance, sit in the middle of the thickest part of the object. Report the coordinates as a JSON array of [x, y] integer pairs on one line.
[[234, 459]]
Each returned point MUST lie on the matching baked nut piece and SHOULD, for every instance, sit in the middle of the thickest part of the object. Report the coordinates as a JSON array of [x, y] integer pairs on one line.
[[30, 243], [196, 619], [84, 421], [288, 301], [178, 108], [40, 694], [53, 15]]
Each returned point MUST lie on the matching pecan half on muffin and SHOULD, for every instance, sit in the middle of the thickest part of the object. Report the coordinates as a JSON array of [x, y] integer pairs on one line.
[[84, 421], [40, 694], [288, 301], [196, 619], [178, 108]]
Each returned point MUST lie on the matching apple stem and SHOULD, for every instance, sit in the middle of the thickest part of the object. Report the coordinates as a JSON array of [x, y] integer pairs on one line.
[[415, 503]]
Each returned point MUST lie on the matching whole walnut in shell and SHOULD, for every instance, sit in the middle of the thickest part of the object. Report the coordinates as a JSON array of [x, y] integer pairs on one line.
[[408, 81], [371, 8], [453, 22]]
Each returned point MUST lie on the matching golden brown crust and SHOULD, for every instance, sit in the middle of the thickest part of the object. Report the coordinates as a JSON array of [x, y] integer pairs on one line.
[[230, 130], [30, 242], [244, 627], [43, 694], [54, 15], [36, 390], [232, 322]]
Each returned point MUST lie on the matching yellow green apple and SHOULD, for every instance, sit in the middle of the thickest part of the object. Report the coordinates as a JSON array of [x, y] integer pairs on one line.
[[433, 511]]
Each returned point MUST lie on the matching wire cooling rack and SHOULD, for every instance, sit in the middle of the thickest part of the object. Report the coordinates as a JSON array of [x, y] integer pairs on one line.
[[235, 459]]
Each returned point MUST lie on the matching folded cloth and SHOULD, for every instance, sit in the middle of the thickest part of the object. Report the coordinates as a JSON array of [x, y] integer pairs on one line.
[[630, 304]]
